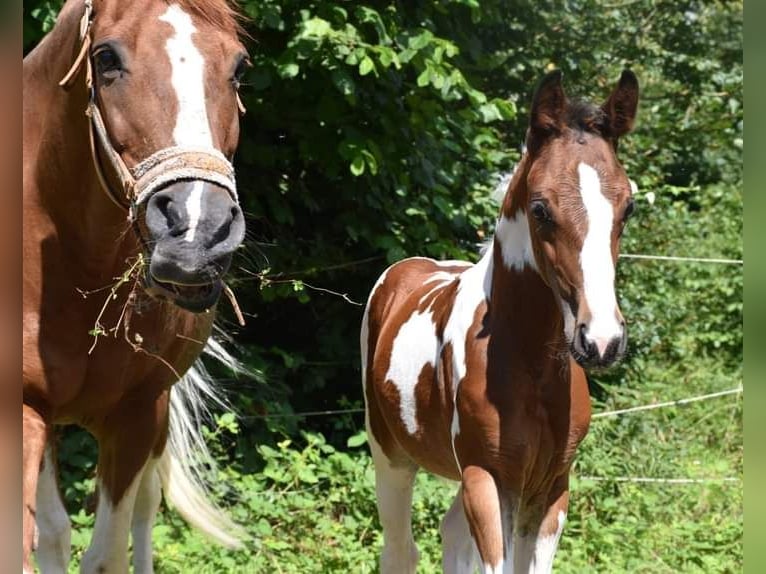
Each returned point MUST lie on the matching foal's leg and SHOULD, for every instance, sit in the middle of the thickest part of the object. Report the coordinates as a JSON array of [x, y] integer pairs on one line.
[[54, 544], [459, 553], [145, 511], [135, 430], [482, 508], [393, 486], [34, 430], [535, 549]]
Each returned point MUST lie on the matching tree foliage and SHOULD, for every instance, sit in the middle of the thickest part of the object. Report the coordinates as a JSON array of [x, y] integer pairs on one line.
[[377, 130]]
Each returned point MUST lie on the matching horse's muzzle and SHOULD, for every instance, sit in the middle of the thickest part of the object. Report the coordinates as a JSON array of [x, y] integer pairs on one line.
[[194, 228]]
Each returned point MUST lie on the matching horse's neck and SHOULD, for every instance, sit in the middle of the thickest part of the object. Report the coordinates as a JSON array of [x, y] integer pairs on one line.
[[63, 183], [525, 315]]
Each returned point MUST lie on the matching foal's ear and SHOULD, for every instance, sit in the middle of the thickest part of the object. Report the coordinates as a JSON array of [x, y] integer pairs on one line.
[[620, 107], [548, 105]]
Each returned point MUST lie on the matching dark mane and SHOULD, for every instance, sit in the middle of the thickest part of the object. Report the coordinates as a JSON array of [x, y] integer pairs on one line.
[[223, 14], [583, 116]]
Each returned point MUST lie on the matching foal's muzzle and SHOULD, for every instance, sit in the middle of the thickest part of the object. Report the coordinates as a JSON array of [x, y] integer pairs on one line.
[[590, 351], [194, 227]]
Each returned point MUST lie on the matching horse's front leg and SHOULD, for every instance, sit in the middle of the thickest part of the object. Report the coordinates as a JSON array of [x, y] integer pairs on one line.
[[534, 547], [35, 435], [130, 441]]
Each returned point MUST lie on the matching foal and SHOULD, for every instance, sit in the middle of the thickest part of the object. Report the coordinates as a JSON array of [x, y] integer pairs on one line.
[[475, 372], [130, 124]]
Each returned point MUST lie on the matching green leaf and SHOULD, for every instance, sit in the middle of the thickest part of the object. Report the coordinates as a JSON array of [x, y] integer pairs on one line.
[[357, 440], [366, 66], [357, 166]]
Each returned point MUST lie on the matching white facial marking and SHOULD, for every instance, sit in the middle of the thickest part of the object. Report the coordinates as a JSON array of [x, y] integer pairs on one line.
[[194, 209], [496, 569], [415, 346], [596, 261], [515, 244], [192, 127]]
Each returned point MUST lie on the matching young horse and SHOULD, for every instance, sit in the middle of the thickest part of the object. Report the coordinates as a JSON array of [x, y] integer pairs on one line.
[[130, 124], [474, 372]]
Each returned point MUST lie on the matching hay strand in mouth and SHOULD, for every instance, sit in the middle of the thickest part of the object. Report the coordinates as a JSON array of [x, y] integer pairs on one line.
[[234, 304]]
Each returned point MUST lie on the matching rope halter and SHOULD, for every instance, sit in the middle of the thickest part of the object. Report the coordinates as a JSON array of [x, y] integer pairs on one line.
[[162, 168]]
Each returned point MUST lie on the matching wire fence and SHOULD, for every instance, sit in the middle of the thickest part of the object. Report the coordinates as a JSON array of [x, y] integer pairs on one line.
[[604, 414], [674, 258]]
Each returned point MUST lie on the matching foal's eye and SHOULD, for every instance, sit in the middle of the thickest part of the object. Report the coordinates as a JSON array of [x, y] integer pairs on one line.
[[108, 63], [541, 213]]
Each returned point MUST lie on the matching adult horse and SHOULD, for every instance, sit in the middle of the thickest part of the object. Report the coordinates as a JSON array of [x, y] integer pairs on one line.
[[475, 372], [130, 220]]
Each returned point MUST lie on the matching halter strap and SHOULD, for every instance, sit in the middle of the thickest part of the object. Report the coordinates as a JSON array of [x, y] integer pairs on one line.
[[162, 168]]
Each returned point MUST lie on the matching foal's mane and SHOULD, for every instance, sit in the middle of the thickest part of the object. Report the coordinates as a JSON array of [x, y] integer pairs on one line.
[[582, 116]]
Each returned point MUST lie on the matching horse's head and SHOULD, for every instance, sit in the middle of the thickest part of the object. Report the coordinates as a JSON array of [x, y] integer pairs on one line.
[[577, 203], [165, 78]]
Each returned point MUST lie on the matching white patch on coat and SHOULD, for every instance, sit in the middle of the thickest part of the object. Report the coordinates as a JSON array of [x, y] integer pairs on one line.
[[54, 542], [108, 550], [545, 548], [596, 261], [414, 347], [475, 287], [192, 127], [515, 242], [194, 209]]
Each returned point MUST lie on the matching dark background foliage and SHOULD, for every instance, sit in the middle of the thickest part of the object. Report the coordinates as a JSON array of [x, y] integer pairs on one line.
[[377, 130]]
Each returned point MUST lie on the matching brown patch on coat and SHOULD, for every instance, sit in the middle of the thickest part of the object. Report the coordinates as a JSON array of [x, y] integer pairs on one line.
[[76, 240]]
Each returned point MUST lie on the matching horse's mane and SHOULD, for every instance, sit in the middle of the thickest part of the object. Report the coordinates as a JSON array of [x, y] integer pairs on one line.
[[224, 14], [586, 117]]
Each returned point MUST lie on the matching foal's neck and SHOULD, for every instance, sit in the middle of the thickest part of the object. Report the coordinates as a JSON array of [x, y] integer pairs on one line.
[[525, 315]]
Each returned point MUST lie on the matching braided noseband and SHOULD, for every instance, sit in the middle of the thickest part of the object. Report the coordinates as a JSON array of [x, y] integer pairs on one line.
[[167, 166]]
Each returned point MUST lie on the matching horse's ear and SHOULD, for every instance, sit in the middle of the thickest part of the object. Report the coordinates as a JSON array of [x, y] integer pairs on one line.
[[548, 105], [620, 107]]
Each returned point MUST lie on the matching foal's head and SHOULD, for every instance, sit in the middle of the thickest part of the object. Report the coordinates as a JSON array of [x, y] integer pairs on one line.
[[578, 199], [166, 75]]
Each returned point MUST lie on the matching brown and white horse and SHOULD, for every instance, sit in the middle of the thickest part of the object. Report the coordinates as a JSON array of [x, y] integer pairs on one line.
[[130, 123], [475, 372]]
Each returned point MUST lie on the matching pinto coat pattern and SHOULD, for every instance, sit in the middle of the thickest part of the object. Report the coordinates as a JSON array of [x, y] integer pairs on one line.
[[475, 372]]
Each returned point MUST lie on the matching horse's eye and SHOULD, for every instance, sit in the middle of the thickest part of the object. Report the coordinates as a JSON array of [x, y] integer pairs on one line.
[[628, 210], [541, 213], [241, 69], [108, 63]]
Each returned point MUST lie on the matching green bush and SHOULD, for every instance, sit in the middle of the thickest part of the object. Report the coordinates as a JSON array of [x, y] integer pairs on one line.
[[376, 130]]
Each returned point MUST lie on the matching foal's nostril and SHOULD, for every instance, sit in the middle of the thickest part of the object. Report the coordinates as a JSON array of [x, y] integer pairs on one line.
[[583, 339]]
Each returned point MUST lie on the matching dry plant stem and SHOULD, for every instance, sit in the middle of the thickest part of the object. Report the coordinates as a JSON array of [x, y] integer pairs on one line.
[[98, 327], [234, 304], [138, 339]]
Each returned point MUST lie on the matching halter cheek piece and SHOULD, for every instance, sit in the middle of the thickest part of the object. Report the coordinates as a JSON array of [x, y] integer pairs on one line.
[[167, 166]]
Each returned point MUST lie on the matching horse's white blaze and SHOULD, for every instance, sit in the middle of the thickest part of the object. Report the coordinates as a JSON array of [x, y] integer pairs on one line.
[[188, 79], [415, 346], [515, 243], [194, 209], [545, 548], [596, 261], [108, 550], [496, 569], [53, 548]]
